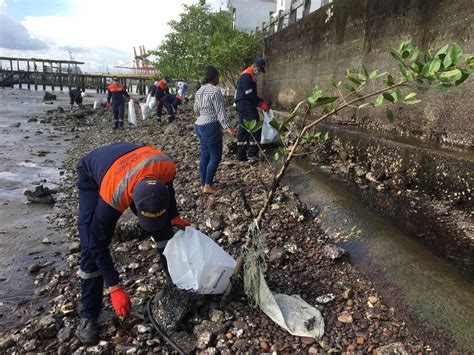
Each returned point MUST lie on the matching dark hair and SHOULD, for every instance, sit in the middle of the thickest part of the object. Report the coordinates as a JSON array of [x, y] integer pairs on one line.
[[210, 73]]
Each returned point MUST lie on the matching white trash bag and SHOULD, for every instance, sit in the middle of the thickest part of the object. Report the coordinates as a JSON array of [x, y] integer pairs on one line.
[[145, 110], [148, 98], [132, 117], [269, 134], [152, 103], [196, 263], [96, 104]]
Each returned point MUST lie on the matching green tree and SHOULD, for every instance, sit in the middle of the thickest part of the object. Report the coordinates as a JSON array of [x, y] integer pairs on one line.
[[201, 37]]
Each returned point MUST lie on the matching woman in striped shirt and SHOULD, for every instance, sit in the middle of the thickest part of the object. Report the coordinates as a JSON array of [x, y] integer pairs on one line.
[[211, 121]]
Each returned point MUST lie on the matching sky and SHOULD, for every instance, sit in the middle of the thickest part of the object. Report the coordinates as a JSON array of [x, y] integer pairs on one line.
[[101, 33]]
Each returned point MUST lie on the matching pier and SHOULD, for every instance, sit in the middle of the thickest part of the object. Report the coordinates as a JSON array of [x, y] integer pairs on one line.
[[59, 74]]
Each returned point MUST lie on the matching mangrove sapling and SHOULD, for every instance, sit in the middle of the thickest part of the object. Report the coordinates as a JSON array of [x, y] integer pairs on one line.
[[418, 72]]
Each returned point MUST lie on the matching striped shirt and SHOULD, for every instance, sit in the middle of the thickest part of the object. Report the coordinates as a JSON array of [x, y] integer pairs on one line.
[[209, 106]]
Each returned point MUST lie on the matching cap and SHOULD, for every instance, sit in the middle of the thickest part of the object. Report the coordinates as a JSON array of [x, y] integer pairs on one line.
[[115, 78], [260, 62], [167, 79], [151, 198]]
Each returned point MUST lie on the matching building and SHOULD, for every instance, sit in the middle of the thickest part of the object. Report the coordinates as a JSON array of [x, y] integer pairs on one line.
[[247, 15]]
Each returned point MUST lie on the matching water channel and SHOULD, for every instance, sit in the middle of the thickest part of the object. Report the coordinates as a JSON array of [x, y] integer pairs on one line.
[[430, 285]]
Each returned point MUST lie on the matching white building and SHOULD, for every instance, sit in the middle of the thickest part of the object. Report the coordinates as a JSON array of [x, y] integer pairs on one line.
[[248, 14]]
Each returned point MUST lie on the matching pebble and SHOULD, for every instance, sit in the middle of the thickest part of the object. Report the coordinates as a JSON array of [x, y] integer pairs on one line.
[[344, 317], [323, 299], [308, 340], [74, 247], [264, 345], [275, 255], [34, 268], [64, 334], [46, 241], [216, 316], [373, 299], [30, 345]]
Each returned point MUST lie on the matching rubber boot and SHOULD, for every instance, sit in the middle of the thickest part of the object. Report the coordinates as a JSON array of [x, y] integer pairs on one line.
[[170, 118], [88, 332]]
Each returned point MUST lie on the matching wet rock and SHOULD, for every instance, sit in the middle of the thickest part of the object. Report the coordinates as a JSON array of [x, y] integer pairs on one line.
[[33, 119], [126, 348], [145, 245], [308, 340], [6, 343], [275, 255], [46, 241], [142, 328], [30, 345], [394, 348], [41, 194], [216, 316], [15, 125], [74, 247], [373, 299], [215, 222], [333, 252], [34, 268], [264, 345], [49, 97], [64, 334], [205, 332]]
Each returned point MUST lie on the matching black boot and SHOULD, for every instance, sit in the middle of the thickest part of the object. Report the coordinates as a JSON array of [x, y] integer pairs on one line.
[[170, 118], [88, 332]]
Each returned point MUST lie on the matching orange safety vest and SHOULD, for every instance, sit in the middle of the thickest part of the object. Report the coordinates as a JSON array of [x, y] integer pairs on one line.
[[117, 185], [161, 84], [249, 70], [115, 87]]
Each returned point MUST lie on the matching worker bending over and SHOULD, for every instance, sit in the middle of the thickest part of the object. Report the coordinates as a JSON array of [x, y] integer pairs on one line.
[[111, 179], [159, 91]]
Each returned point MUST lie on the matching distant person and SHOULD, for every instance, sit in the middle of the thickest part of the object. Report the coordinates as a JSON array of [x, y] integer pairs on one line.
[[75, 96], [181, 87], [247, 101], [211, 121], [171, 103], [118, 94], [159, 90]]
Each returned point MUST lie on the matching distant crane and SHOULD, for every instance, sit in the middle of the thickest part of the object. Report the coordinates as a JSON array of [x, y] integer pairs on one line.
[[75, 70], [140, 63]]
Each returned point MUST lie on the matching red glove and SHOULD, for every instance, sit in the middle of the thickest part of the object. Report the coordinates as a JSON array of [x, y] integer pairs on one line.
[[120, 301], [265, 106], [179, 222]]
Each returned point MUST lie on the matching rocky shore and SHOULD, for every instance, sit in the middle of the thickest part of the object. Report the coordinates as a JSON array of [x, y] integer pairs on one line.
[[301, 258]]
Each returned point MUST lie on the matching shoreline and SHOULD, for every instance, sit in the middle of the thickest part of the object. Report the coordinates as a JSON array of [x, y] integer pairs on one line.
[[297, 263]]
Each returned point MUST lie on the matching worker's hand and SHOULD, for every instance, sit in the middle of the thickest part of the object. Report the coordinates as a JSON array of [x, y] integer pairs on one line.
[[158, 102], [265, 107], [230, 131], [108, 105], [120, 300], [179, 222]]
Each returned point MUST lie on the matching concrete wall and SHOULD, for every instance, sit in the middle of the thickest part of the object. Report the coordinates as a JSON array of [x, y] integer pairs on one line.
[[347, 33]]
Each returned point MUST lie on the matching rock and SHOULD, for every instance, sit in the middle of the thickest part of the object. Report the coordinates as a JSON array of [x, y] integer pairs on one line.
[[216, 235], [360, 340], [46, 241], [308, 340], [64, 334], [313, 350], [49, 97], [369, 176], [216, 316], [154, 268], [30, 345], [346, 293], [373, 299], [33, 119], [333, 252], [6, 343], [143, 328], [15, 125], [264, 345], [323, 299], [126, 348], [46, 321], [205, 332], [145, 245], [215, 222], [344, 317], [275, 207], [391, 349], [74, 247], [275, 255], [34, 268]]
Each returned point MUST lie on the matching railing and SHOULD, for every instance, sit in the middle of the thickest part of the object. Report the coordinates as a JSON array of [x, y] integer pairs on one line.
[[298, 9]]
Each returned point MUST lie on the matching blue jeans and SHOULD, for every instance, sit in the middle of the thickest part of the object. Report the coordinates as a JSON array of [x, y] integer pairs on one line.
[[210, 137]]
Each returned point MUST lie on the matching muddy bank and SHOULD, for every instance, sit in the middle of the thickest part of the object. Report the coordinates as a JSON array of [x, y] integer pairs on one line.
[[300, 262]]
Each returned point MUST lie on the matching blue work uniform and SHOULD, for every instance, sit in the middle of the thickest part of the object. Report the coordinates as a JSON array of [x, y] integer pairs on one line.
[[247, 101], [160, 90], [117, 93], [106, 177]]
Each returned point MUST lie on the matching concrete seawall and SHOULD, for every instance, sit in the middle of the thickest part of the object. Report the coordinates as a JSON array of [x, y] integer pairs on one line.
[[349, 33]]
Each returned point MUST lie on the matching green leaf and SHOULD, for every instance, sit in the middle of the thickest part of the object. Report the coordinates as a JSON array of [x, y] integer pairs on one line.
[[297, 107], [387, 96], [276, 156], [274, 123], [326, 136], [454, 74], [470, 61], [455, 53], [335, 84], [378, 101], [434, 66], [414, 55], [317, 134], [397, 94], [390, 80], [409, 96], [366, 72], [442, 50], [326, 100], [463, 78], [412, 102], [389, 115], [365, 105]]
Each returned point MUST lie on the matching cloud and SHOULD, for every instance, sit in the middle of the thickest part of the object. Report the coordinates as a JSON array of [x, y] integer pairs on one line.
[[14, 35]]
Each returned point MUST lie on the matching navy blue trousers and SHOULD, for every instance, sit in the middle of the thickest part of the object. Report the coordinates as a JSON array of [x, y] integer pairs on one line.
[[119, 113], [210, 138]]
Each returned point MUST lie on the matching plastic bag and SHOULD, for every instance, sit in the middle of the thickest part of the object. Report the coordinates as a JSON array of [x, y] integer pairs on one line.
[[132, 117], [152, 103], [196, 263], [145, 110], [148, 98], [269, 134], [96, 104]]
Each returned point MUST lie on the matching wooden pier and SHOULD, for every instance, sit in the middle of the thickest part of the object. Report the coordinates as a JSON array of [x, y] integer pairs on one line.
[[59, 74]]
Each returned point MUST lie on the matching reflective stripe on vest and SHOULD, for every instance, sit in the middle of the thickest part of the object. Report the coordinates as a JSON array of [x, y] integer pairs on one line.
[[115, 87], [117, 185], [88, 275]]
